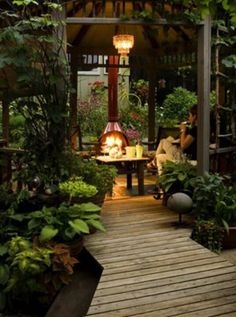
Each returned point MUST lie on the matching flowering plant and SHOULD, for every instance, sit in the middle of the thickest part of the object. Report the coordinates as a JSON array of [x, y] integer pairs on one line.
[[97, 87], [133, 136]]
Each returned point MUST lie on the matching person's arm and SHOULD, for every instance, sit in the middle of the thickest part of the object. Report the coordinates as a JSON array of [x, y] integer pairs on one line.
[[185, 139]]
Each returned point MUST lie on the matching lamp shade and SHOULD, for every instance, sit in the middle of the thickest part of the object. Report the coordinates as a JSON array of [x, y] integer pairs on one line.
[[123, 43]]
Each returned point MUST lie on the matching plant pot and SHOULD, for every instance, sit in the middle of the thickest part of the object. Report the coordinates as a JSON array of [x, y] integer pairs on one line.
[[139, 151], [130, 151], [98, 199], [76, 246], [229, 240]]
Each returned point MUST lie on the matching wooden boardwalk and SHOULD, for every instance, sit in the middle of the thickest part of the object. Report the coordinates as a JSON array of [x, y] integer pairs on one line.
[[153, 269]]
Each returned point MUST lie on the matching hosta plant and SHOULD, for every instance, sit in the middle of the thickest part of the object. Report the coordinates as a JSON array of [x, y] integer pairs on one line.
[[76, 187], [65, 222]]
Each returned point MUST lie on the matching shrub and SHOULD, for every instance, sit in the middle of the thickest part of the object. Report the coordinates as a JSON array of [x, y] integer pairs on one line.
[[176, 106], [209, 234]]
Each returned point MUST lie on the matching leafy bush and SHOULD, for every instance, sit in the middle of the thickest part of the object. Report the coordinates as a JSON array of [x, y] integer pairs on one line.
[[181, 172], [65, 222], [16, 130], [176, 106], [100, 176], [92, 111], [212, 199], [209, 234], [30, 270], [76, 187]]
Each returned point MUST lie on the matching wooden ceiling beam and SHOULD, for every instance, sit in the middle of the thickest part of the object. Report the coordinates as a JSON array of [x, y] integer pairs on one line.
[[135, 52], [105, 21], [77, 6], [84, 29]]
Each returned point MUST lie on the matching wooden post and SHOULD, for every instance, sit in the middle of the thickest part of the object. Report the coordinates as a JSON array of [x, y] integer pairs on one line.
[[73, 102], [5, 170], [5, 121], [151, 106], [204, 64]]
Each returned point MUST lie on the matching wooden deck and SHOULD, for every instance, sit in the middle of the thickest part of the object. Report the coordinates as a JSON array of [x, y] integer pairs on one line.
[[152, 268]]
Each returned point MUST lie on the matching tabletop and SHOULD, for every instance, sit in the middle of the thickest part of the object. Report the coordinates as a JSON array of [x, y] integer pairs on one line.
[[108, 159]]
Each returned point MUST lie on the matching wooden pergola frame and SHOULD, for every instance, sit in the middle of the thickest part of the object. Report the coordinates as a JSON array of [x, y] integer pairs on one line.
[[203, 75]]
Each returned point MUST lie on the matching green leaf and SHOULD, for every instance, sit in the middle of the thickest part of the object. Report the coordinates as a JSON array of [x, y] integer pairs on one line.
[[18, 217], [70, 233], [96, 224], [3, 249], [226, 226], [36, 214], [33, 223], [79, 226], [91, 216], [47, 233], [90, 207], [181, 177], [4, 274]]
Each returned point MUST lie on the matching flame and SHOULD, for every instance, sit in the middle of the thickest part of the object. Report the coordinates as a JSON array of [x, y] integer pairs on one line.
[[111, 142]]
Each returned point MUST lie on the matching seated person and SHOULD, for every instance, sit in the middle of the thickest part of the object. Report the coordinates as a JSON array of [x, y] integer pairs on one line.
[[168, 150]]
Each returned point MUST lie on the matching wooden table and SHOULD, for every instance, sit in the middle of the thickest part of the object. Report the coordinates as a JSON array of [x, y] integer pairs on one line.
[[130, 165]]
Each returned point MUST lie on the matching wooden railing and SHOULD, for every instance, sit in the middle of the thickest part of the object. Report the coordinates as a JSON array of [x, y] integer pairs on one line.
[[9, 160]]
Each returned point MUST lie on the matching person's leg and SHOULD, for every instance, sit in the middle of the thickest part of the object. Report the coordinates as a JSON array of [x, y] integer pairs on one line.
[[169, 150], [173, 152], [161, 149], [160, 159]]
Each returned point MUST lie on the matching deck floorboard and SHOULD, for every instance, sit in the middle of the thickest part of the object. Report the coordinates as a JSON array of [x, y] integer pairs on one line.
[[152, 268]]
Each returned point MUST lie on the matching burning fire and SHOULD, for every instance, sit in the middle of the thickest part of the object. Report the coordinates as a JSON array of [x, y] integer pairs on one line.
[[111, 142]]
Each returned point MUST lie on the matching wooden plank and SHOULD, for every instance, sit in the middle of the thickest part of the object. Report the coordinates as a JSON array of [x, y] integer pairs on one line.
[[147, 252], [130, 267], [92, 240], [215, 311], [108, 259], [126, 241], [155, 258], [135, 245], [178, 302], [161, 268], [167, 281], [158, 275], [157, 289], [160, 297], [197, 309]]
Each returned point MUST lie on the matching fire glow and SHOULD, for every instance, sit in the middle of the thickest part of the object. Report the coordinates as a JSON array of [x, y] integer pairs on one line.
[[111, 142]]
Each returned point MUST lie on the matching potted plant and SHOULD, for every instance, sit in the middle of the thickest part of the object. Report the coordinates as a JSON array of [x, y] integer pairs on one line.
[[176, 177], [32, 273], [65, 222], [214, 201], [133, 137], [77, 190], [100, 176]]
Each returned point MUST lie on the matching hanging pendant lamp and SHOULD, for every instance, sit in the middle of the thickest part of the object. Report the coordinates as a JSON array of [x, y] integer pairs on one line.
[[123, 43]]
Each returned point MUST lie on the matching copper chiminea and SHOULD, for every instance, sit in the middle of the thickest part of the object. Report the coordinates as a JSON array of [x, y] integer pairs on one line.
[[112, 136]]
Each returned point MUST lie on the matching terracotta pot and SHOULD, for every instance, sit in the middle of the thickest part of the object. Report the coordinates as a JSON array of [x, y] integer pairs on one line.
[[229, 240], [76, 246]]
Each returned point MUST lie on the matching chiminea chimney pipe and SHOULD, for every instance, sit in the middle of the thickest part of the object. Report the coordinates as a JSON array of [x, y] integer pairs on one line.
[[113, 89]]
